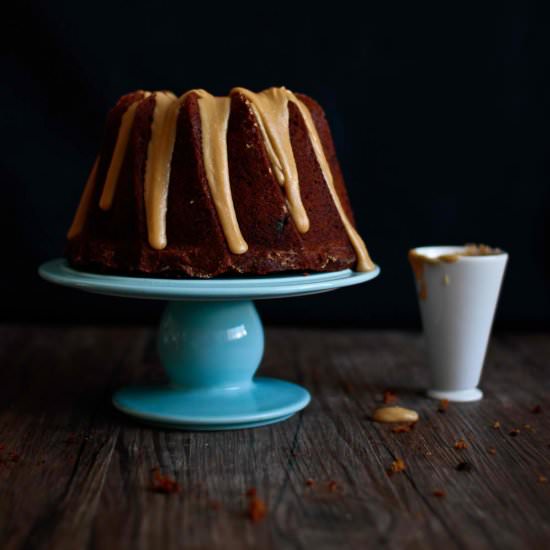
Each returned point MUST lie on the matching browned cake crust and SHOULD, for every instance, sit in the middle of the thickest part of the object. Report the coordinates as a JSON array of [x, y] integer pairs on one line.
[[116, 240]]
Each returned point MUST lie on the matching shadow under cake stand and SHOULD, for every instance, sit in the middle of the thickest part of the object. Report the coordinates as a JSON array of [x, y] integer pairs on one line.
[[210, 343]]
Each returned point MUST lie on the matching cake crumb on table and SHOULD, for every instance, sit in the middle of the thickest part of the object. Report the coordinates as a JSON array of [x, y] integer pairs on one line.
[[398, 465], [332, 486], [403, 428], [257, 509], [389, 397], [164, 484], [461, 444]]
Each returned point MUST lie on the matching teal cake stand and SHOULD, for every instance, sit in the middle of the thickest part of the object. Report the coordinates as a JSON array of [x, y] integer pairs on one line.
[[210, 343]]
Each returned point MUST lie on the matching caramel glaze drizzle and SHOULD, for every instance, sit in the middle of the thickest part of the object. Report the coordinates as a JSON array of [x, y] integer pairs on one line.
[[214, 113], [84, 205], [364, 263], [157, 168], [111, 180], [270, 108]]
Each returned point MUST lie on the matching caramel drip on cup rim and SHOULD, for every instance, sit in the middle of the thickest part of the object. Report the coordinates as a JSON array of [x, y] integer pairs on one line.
[[417, 262]]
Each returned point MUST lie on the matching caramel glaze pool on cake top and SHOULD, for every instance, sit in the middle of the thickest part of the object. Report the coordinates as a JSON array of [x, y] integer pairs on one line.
[[270, 109]]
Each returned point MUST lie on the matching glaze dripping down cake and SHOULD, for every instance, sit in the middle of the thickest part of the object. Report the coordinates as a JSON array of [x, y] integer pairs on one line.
[[202, 186]]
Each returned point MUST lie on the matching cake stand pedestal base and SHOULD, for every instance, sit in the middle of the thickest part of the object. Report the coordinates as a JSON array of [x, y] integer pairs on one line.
[[210, 343], [264, 401], [210, 351]]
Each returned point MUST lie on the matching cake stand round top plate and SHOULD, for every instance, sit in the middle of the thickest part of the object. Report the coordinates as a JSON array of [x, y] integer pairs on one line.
[[236, 288]]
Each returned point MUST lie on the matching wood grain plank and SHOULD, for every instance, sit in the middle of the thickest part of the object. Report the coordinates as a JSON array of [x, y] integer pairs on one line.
[[83, 478], [56, 393]]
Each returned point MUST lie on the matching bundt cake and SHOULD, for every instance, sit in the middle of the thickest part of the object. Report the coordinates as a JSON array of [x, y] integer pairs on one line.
[[202, 186]]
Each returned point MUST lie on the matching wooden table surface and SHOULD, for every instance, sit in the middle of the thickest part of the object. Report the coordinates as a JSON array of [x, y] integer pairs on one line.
[[75, 473]]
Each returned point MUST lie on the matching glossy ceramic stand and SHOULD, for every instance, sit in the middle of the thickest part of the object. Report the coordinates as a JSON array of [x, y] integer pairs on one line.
[[210, 352], [210, 343]]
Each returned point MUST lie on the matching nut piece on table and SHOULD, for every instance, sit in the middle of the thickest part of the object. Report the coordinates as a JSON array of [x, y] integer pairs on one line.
[[394, 414]]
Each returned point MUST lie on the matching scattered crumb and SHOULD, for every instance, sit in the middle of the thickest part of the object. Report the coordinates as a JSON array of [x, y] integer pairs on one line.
[[428, 453], [464, 467], [403, 428], [446, 280], [537, 409], [496, 425], [461, 444], [389, 397], [514, 432], [543, 479], [310, 482], [528, 427], [440, 493], [257, 510], [443, 405], [492, 451], [164, 484], [398, 465], [333, 486]]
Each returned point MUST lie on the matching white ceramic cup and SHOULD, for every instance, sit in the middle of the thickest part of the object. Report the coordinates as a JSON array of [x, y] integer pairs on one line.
[[457, 298]]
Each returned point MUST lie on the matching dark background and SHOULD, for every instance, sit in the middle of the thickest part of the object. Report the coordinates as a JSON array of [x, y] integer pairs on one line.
[[440, 120]]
